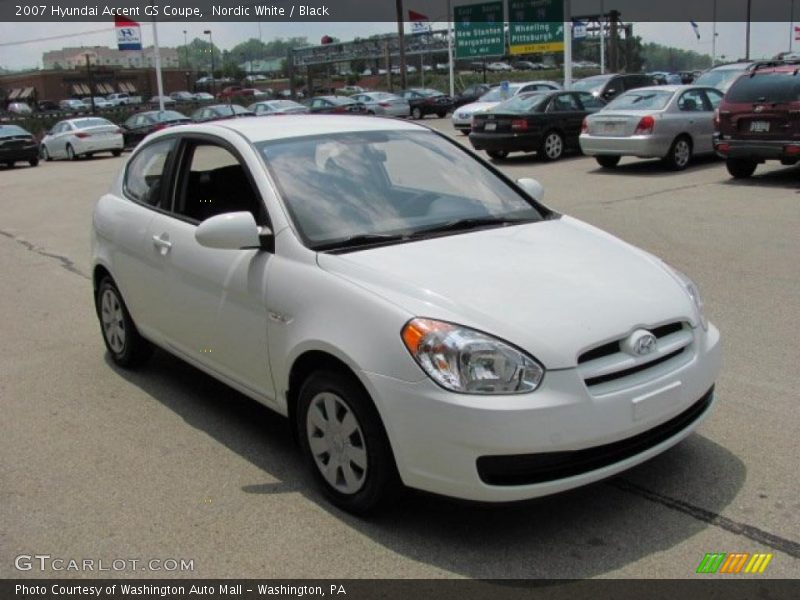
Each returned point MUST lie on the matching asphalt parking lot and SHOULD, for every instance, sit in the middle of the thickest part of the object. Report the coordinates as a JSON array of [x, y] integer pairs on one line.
[[165, 463]]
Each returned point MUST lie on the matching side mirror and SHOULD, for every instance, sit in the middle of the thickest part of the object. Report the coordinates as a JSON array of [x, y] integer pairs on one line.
[[231, 231], [532, 187]]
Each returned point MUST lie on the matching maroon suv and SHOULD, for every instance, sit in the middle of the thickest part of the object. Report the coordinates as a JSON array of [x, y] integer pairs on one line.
[[759, 119]]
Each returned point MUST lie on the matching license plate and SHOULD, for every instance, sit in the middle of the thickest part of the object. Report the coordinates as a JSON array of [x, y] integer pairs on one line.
[[611, 127], [490, 126], [759, 126]]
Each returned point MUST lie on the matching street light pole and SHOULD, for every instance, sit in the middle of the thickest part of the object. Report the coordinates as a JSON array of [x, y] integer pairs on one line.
[[747, 33], [213, 81]]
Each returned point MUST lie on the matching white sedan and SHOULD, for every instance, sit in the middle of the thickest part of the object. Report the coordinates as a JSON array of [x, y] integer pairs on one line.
[[84, 136], [417, 316]]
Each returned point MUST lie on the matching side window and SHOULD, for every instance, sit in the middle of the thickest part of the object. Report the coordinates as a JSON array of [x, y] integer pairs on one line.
[[714, 98], [564, 103], [590, 101], [214, 182], [692, 101], [145, 171]]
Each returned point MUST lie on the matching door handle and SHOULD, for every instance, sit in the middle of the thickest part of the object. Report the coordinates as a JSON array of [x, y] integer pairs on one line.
[[163, 245]]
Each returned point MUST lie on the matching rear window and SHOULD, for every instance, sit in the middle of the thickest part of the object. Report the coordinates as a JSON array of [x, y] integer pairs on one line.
[[81, 123], [523, 103], [641, 100], [11, 130], [766, 87]]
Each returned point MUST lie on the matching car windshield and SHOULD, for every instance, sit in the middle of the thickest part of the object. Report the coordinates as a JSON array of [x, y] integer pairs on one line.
[[11, 130], [498, 94], [379, 183], [590, 84], [719, 78], [524, 103], [429, 92], [82, 123], [169, 115], [230, 109], [641, 100], [782, 86], [279, 104]]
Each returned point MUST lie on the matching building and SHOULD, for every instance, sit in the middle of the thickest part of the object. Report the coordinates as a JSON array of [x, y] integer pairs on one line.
[[102, 56], [265, 66]]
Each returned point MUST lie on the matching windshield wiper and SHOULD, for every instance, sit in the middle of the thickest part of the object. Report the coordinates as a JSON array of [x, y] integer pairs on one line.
[[470, 223], [362, 239]]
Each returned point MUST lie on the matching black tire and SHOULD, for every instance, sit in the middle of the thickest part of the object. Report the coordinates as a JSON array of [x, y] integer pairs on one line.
[[416, 113], [441, 114], [497, 154], [552, 146], [45, 154], [607, 161], [71, 153], [466, 131], [134, 349], [10, 164], [380, 477], [116, 153], [34, 162], [680, 154], [740, 168]]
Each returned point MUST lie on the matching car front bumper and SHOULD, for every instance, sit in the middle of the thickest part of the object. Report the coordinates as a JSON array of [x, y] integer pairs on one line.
[[758, 150], [642, 146], [516, 447], [27, 152]]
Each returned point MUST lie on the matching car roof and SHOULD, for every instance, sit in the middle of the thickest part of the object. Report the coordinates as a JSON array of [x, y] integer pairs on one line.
[[291, 126]]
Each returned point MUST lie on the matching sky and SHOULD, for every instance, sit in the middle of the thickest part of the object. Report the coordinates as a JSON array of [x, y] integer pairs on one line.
[[767, 39]]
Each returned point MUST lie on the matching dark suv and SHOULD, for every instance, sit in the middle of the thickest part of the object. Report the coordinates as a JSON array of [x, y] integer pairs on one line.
[[609, 86], [759, 119]]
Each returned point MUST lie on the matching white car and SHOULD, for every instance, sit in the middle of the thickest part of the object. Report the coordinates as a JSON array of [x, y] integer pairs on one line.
[[99, 102], [202, 97], [499, 66], [84, 136], [462, 116], [417, 316]]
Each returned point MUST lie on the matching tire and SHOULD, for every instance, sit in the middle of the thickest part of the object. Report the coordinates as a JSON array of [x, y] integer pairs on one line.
[[680, 154], [497, 154], [466, 131], [607, 161], [34, 162], [10, 164], [416, 113], [441, 114], [552, 147], [124, 343], [116, 153], [71, 153], [740, 168], [364, 472], [45, 154]]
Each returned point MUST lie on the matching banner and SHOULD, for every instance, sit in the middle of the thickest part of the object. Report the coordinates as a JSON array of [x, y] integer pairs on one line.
[[129, 36]]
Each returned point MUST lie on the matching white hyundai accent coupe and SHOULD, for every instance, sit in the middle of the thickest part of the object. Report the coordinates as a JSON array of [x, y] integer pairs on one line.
[[418, 317]]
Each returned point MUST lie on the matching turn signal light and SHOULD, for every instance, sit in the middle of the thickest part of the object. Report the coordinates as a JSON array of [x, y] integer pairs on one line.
[[645, 126]]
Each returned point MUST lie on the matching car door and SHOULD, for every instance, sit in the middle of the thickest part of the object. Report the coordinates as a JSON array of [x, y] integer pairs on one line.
[[214, 300], [697, 117], [566, 114], [714, 98], [62, 138]]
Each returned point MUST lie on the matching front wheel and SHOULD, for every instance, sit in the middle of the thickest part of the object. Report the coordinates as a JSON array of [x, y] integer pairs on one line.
[[71, 153], [552, 147], [441, 114], [344, 442], [116, 153], [416, 113], [34, 162], [466, 131], [679, 155], [45, 154], [607, 161], [741, 168], [123, 341]]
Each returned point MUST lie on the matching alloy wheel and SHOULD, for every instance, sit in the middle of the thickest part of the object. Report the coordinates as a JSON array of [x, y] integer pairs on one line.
[[336, 442], [113, 321], [553, 146], [682, 153]]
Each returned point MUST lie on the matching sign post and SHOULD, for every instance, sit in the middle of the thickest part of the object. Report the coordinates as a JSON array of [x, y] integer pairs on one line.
[[479, 30]]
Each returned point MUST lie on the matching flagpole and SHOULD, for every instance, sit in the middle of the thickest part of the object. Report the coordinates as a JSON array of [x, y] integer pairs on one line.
[[157, 54], [450, 65]]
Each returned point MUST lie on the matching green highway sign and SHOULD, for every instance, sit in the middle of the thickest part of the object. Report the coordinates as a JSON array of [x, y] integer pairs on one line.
[[535, 26], [479, 30]]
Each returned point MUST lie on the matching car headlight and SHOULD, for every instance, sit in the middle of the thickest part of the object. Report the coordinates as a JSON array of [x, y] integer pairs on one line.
[[461, 359], [694, 293]]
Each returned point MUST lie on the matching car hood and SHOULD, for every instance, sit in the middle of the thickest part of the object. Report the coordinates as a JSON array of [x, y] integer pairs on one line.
[[555, 288], [475, 107]]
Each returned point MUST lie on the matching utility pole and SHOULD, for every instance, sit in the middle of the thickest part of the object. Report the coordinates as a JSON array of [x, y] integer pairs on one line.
[[747, 34], [603, 37], [213, 80], [450, 33], [613, 41], [401, 41], [714, 36]]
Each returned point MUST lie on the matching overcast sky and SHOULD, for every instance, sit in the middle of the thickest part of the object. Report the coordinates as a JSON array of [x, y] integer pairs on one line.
[[767, 39]]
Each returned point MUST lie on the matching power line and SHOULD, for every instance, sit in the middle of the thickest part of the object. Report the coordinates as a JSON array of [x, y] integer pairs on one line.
[[57, 37]]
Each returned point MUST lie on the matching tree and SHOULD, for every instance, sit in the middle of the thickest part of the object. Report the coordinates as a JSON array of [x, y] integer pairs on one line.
[[197, 55]]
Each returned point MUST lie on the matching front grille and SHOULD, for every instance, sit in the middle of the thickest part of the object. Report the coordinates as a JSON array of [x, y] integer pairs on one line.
[[527, 469], [608, 362]]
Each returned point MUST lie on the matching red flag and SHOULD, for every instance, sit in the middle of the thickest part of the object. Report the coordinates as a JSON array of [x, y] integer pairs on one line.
[[415, 16]]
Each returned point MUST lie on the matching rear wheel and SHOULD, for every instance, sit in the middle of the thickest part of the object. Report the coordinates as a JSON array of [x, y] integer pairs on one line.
[[34, 162], [441, 114], [116, 152], [344, 442], [416, 113], [741, 168], [552, 147], [466, 131], [71, 153], [680, 154], [123, 341], [10, 164], [497, 154], [607, 161]]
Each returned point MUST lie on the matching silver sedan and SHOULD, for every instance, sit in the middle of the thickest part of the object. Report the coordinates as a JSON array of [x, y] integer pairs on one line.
[[384, 103], [670, 122]]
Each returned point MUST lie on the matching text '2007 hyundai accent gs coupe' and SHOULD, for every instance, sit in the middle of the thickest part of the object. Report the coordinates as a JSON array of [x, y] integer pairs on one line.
[[418, 317]]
